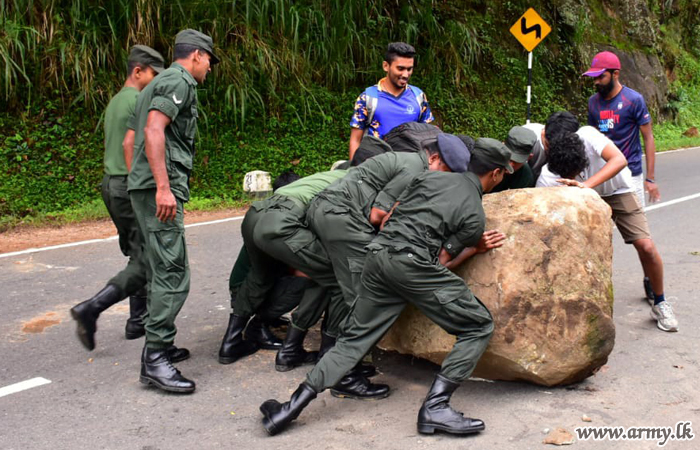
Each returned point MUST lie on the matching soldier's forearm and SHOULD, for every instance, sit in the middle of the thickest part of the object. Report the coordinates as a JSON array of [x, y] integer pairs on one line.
[[155, 152], [128, 146]]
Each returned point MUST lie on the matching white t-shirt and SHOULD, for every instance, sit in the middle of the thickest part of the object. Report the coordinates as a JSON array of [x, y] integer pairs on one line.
[[594, 142]]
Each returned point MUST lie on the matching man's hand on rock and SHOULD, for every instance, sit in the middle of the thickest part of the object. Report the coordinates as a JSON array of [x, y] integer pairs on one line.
[[574, 183], [489, 240]]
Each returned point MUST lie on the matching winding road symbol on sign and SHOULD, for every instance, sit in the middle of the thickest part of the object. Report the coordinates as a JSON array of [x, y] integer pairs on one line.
[[524, 29], [530, 29]]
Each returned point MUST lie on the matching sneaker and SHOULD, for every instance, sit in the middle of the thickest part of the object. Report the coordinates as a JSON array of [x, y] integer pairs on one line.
[[649, 291], [665, 319]]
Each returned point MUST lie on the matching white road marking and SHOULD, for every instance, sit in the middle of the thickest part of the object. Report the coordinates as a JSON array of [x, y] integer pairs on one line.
[[676, 151], [671, 202], [23, 386], [94, 241]]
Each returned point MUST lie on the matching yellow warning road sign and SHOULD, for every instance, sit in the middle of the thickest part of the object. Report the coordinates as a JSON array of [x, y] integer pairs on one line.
[[530, 29]]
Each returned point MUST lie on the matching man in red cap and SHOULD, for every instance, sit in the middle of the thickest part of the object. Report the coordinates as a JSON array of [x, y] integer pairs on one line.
[[621, 113]]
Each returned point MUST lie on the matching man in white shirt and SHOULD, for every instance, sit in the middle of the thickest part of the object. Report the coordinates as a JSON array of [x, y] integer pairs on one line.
[[588, 159]]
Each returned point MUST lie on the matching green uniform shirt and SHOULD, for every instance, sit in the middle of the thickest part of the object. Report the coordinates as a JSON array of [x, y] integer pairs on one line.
[[306, 188], [119, 110], [438, 210], [523, 178], [377, 182], [173, 93]]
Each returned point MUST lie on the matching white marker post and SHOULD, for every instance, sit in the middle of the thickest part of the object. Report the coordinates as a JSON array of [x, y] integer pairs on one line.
[[529, 84]]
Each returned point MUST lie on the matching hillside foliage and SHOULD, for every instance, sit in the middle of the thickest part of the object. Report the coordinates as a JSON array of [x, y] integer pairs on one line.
[[283, 94]]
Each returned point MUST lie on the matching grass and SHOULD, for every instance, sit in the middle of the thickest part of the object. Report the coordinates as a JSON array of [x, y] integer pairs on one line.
[[283, 92], [670, 137]]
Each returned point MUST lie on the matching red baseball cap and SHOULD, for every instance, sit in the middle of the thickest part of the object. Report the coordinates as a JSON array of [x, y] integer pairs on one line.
[[601, 62]]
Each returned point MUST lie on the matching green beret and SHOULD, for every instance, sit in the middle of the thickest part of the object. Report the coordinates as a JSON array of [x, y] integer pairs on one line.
[[145, 55], [492, 151], [199, 40], [520, 142]]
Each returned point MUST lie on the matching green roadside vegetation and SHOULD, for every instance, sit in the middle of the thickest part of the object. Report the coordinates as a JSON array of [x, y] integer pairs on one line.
[[283, 95]]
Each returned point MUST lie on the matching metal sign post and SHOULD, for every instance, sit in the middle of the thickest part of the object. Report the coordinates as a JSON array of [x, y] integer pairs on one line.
[[529, 84], [529, 30]]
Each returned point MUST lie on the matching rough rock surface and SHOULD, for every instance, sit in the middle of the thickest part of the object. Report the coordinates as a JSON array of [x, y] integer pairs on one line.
[[549, 289]]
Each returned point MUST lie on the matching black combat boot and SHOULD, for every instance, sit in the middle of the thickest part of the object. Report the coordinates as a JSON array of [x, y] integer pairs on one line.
[[137, 308], [156, 369], [328, 342], [233, 346], [176, 354], [437, 414], [87, 312], [354, 385], [292, 353], [278, 415], [258, 332]]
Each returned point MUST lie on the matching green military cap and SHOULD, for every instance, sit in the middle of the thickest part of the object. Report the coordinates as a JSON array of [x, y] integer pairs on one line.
[[199, 40], [145, 55], [492, 151], [520, 142]]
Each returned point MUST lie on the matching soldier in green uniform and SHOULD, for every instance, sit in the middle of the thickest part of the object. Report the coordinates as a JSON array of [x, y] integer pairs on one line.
[[143, 65], [165, 122], [409, 262], [282, 217], [521, 143], [345, 215]]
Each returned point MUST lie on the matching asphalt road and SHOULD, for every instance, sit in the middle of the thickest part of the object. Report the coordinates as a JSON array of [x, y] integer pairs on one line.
[[94, 399]]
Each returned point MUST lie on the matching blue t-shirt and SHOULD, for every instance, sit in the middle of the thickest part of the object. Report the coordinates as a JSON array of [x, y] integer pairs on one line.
[[619, 119], [390, 111]]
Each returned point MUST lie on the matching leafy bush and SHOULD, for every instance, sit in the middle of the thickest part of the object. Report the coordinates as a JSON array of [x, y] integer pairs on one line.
[[283, 94]]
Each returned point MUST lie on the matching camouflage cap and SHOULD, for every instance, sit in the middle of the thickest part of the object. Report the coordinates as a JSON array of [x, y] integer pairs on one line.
[[492, 151], [199, 40], [145, 55], [520, 142]]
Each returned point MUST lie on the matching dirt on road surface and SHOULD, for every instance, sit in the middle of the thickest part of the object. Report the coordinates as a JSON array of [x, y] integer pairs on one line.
[[36, 237]]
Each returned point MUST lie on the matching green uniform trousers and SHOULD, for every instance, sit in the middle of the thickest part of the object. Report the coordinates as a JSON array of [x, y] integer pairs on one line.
[[239, 271], [133, 277], [286, 294], [168, 270], [257, 293], [389, 282], [344, 233], [284, 236]]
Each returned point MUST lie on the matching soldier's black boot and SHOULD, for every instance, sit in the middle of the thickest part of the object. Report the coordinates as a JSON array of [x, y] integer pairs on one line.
[[437, 414], [354, 385], [156, 369], [276, 415], [328, 342], [137, 308], [258, 332], [176, 354], [292, 353], [233, 346], [87, 312]]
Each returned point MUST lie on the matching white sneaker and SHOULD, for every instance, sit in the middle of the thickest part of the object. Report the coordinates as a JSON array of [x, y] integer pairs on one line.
[[665, 319]]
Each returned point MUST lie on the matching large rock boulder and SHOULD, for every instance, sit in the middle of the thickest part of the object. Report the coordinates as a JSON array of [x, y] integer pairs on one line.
[[549, 289]]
